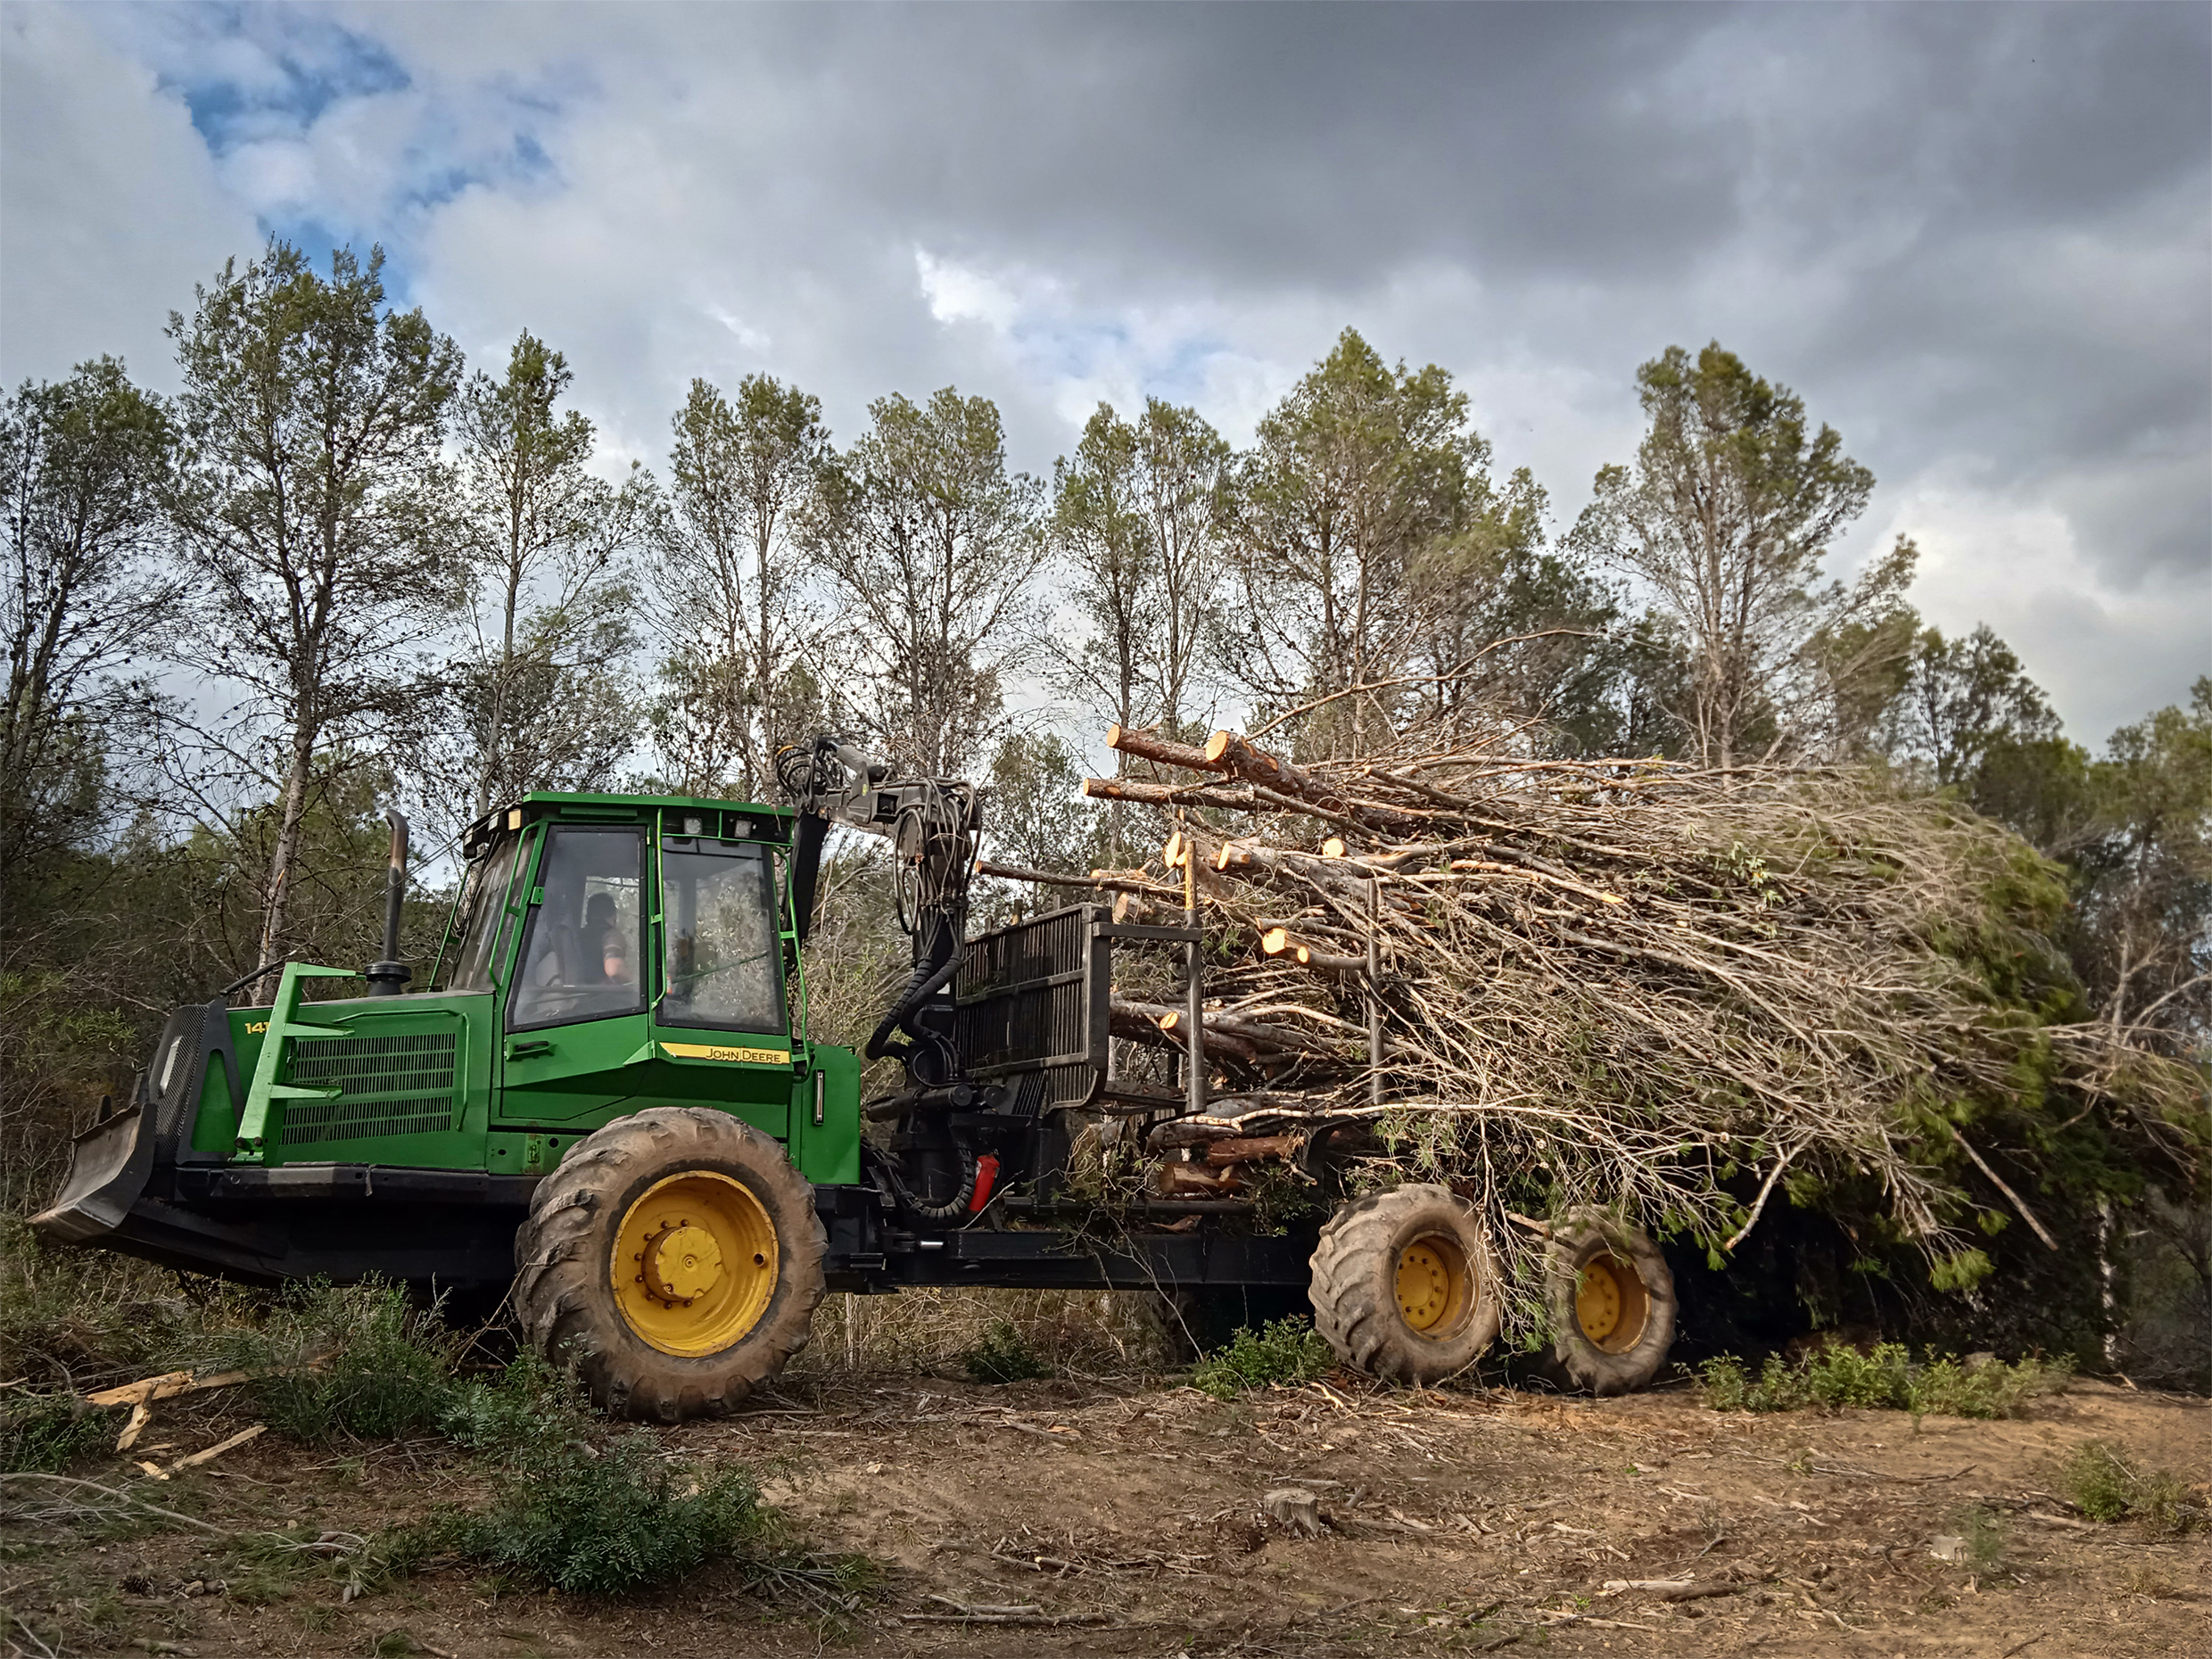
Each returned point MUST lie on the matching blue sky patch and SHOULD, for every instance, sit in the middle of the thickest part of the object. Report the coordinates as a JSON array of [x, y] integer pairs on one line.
[[286, 68]]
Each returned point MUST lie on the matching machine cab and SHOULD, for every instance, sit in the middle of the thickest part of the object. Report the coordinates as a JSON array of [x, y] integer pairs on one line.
[[637, 952]]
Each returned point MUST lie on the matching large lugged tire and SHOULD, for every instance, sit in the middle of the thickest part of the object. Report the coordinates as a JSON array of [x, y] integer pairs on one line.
[[1610, 1295], [1404, 1286], [675, 1258]]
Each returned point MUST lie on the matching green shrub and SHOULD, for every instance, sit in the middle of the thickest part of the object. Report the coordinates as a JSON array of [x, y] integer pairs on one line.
[[506, 1417], [1004, 1356], [1285, 1350], [1984, 1535], [608, 1519], [351, 1360], [2099, 1484], [2105, 1485], [1990, 1390], [1837, 1376], [45, 1433], [1832, 1378]]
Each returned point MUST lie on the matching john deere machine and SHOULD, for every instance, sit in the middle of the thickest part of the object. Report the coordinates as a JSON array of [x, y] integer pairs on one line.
[[605, 1103]]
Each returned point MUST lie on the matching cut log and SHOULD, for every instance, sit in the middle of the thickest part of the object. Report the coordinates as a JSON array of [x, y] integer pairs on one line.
[[1322, 962], [1231, 796], [1236, 754], [1136, 911], [1257, 1032], [1197, 1181], [1163, 751], [1279, 942], [1276, 782], [1254, 860], [1049, 877], [1139, 1023], [1178, 1132], [1160, 1023], [1192, 843], [1222, 1153]]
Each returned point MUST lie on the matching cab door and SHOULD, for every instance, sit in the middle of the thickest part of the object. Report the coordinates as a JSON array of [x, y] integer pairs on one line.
[[721, 1020], [578, 990]]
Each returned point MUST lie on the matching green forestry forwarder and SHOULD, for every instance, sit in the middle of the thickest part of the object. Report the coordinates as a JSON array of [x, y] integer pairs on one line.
[[602, 1106]]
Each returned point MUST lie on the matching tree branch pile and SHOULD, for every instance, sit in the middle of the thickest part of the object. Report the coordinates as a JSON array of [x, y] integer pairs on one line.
[[1624, 983]]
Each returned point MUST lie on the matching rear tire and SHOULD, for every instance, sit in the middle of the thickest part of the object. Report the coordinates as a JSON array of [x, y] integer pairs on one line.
[[675, 1259], [1404, 1286], [1611, 1297]]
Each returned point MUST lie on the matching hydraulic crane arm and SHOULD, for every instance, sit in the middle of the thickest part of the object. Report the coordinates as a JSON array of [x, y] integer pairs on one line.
[[932, 825]]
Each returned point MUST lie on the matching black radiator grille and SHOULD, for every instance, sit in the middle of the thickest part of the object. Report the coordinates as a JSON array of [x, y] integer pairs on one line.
[[348, 1120], [388, 1085]]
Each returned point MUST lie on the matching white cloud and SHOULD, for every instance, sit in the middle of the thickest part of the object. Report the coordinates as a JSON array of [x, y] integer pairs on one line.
[[2107, 656], [110, 206], [957, 293]]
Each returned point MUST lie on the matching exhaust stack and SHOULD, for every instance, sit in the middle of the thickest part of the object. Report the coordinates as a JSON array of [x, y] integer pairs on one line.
[[389, 976]]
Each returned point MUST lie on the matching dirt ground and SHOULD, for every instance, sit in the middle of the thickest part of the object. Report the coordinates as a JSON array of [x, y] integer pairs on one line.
[[1060, 1517]]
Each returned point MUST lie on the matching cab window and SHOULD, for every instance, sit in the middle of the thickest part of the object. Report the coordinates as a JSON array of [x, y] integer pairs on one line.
[[725, 967], [581, 957], [483, 908]]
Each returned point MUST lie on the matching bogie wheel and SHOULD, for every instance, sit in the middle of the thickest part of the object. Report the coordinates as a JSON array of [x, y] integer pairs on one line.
[[1611, 1297], [1404, 1286], [675, 1258]]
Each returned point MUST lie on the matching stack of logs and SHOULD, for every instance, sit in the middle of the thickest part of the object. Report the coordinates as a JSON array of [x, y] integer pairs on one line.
[[1621, 981]]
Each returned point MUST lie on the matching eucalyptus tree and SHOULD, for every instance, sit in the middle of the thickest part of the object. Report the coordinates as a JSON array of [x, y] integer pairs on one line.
[[311, 511], [1725, 519], [543, 700], [83, 465], [933, 545], [743, 472]]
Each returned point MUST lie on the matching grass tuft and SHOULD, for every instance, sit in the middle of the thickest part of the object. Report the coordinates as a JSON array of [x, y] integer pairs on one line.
[[1284, 1351], [1984, 1535]]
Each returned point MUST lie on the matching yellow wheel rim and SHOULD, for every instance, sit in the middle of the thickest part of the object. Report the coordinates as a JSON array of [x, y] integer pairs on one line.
[[1597, 1301], [1610, 1304], [1434, 1284], [694, 1263]]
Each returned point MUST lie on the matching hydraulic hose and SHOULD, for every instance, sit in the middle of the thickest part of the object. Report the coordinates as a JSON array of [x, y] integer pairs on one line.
[[954, 1208], [925, 983]]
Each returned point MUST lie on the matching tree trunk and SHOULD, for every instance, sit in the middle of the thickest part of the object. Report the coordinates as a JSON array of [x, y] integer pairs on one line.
[[494, 746], [274, 903]]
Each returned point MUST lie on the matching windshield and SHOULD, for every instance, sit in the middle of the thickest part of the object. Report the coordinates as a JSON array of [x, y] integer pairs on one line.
[[725, 960], [483, 905], [581, 957]]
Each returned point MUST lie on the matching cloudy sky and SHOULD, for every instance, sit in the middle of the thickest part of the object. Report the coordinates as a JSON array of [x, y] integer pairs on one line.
[[1976, 239]]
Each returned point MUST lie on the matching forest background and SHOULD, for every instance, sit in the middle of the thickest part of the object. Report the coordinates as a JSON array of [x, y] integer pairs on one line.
[[340, 570]]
